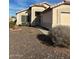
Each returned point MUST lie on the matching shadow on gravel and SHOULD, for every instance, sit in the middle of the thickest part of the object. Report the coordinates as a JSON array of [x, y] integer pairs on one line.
[[44, 39]]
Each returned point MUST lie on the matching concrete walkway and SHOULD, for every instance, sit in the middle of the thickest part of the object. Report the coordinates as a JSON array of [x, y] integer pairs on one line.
[[43, 31]]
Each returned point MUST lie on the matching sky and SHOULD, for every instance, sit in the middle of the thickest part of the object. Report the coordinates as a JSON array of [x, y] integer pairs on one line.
[[16, 5]]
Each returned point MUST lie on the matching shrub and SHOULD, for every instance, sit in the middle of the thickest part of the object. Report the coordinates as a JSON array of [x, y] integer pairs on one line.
[[12, 24], [60, 36]]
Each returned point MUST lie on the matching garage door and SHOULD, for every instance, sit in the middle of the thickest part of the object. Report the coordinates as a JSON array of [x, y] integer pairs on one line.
[[46, 20], [65, 18]]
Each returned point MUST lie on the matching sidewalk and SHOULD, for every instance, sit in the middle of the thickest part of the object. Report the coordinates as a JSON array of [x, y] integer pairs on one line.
[[43, 31]]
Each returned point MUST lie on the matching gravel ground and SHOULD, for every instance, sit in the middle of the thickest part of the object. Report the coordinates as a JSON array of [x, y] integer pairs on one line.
[[29, 43]]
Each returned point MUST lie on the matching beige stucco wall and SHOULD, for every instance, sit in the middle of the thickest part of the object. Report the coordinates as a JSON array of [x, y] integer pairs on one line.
[[18, 16], [35, 9], [57, 16], [65, 19], [46, 19]]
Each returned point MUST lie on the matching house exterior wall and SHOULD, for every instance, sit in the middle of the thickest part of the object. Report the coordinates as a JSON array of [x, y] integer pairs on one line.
[[57, 15], [18, 16], [33, 10], [46, 19], [65, 19]]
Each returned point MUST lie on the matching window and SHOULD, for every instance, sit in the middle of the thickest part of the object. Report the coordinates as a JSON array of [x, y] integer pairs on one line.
[[23, 19]]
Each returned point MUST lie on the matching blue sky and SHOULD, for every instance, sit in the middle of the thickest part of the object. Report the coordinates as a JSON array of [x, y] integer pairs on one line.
[[16, 5]]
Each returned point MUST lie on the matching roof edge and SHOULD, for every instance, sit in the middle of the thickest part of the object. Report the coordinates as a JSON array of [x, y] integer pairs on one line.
[[22, 10], [56, 5]]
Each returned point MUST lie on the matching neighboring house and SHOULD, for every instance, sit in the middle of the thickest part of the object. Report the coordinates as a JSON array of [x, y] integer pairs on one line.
[[12, 18], [58, 14], [31, 14], [21, 17]]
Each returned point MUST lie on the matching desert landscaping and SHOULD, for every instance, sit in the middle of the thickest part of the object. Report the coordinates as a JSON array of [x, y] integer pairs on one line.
[[30, 43]]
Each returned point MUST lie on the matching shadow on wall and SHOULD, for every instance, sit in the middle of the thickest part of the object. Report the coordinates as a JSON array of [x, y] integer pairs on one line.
[[44, 39], [36, 22]]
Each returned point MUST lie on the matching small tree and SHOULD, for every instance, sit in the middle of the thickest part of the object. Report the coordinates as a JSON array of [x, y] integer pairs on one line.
[[12, 24]]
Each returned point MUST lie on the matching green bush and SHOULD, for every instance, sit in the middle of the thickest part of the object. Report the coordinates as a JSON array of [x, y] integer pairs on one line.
[[60, 36], [12, 24]]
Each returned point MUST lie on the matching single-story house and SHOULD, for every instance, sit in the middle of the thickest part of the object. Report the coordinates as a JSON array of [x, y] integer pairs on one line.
[[58, 14], [31, 14], [21, 17]]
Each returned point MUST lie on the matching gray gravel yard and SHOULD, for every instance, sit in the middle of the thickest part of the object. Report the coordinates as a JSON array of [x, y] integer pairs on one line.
[[30, 43]]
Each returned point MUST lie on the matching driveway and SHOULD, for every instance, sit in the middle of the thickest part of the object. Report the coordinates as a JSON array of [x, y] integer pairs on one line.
[[30, 43]]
